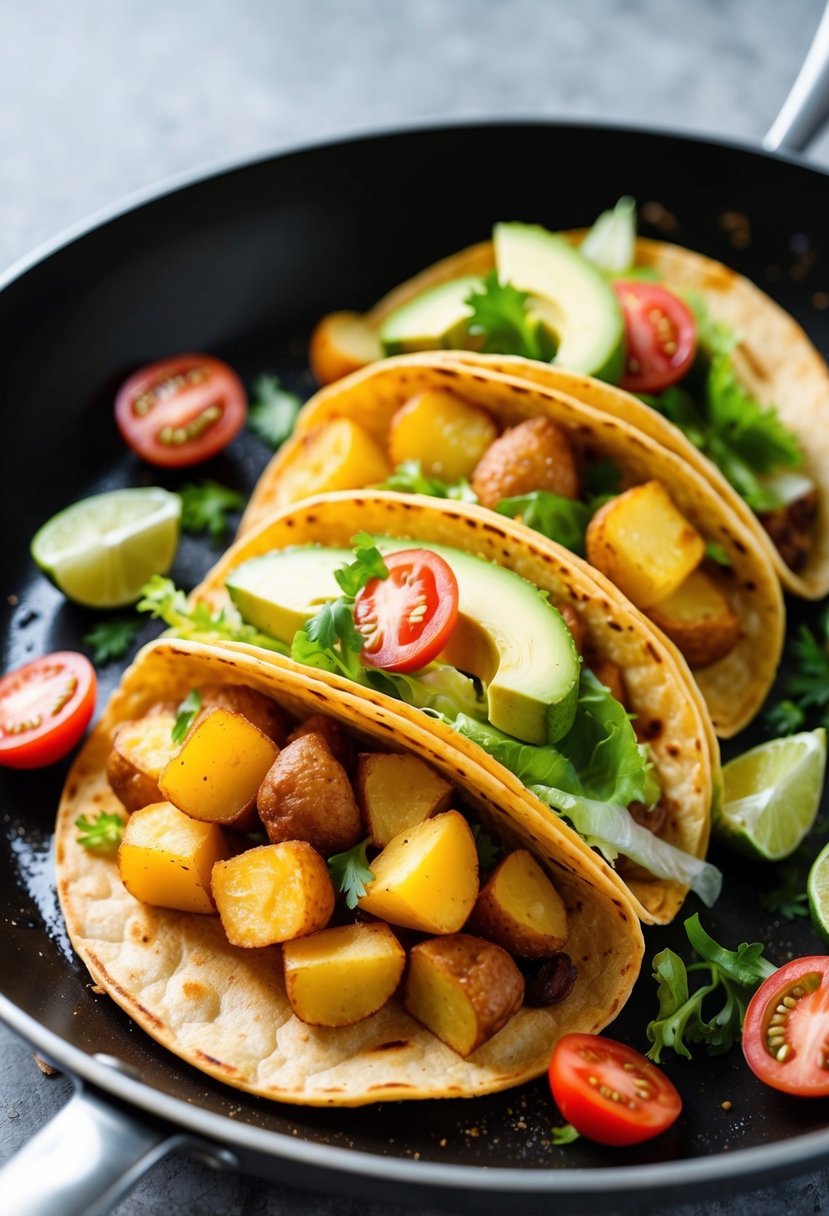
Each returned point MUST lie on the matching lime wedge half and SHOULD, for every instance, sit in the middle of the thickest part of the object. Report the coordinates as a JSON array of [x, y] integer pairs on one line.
[[771, 795], [818, 890], [100, 551]]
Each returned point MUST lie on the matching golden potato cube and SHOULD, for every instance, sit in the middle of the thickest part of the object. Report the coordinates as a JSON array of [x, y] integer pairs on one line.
[[217, 772], [338, 455], [141, 750], [342, 975], [520, 909], [644, 544], [396, 792], [273, 893], [463, 989], [427, 877], [447, 435], [341, 343], [699, 619], [166, 858]]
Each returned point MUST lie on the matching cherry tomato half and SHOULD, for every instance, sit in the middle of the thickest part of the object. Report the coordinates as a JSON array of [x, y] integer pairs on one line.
[[182, 410], [45, 707], [409, 616], [661, 335], [786, 1030], [609, 1092]]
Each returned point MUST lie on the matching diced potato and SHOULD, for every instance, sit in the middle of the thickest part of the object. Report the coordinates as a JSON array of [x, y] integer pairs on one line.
[[338, 455], [463, 989], [339, 976], [251, 704], [396, 792], [427, 877], [644, 544], [699, 619], [334, 734], [341, 343], [273, 893], [447, 435], [141, 750], [218, 770], [535, 455], [520, 909], [166, 858], [306, 795], [610, 674]]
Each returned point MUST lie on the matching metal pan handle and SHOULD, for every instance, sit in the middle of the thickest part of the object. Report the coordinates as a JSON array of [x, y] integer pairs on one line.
[[84, 1160], [806, 108]]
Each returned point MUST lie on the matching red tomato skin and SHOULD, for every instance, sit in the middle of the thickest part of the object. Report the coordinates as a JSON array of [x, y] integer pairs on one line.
[[600, 1118], [386, 597], [60, 732], [655, 368], [220, 387], [800, 1075]]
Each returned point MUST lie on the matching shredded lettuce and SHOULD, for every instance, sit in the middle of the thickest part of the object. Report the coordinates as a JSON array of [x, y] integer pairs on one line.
[[409, 478], [611, 242]]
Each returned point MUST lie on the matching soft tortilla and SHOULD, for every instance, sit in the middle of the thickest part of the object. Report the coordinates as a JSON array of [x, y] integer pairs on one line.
[[224, 1010]]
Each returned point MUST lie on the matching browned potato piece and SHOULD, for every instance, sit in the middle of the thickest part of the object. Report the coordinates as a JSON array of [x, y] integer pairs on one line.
[[610, 674], [644, 544], [217, 772], [338, 455], [253, 705], [333, 733], [273, 893], [166, 858], [535, 455], [520, 909], [339, 976], [699, 619], [141, 750], [307, 795], [791, 528], [396, 792], [575, 624], [341, 343], [446, 434], [463, 989], [427, 877]]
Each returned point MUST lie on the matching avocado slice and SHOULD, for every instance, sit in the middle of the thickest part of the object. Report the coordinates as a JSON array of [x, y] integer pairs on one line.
[[507, 634], [434, 320], [572, 296]]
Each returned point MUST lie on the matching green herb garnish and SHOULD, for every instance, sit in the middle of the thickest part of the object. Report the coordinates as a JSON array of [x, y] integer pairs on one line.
[[111, 639], [565, 1134], [788, 900], [205, 507], [563, 520], [102, 834], [185, 714], [350, 872], [502, 316], [806, 700], [715, 551], [164, 601], [273, 411], [733, 975], [488, 850], [409, 478]]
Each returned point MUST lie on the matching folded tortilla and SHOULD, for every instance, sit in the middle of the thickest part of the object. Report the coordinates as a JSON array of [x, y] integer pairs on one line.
[[668, 706], [224, 1009], [734, 687]]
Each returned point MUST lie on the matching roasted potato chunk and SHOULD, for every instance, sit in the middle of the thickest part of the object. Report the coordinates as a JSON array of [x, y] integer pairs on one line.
[[341, 343], [446, 434], [463, 989], [535, 455], [610, 674], [520, 909], [342, 749], [253, 705], [396, 792], [218, 770], [338, 455], [698, 618], [339, 976], [791, 528], [273, 893], [141, 750], [644, 544], [166, 858], [307, 795], [427, 877]]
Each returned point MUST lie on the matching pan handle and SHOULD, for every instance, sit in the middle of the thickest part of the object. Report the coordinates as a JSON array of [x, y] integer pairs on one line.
[[84, 1160], [806, 108]]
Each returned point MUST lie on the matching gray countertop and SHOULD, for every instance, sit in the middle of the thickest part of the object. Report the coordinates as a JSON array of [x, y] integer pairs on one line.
[[98, 100]]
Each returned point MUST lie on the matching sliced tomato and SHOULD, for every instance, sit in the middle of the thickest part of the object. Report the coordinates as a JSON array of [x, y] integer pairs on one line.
[[786, 1029], [181, 411], [45, 706], [661, 336], [409, 616], [609, 1092]]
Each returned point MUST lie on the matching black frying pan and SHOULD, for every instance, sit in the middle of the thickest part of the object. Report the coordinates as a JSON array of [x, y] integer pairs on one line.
[[241, 264]]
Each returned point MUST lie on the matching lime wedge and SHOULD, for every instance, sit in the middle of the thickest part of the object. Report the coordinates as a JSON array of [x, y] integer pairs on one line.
[[100, 551], [771, 795], [818, 890]]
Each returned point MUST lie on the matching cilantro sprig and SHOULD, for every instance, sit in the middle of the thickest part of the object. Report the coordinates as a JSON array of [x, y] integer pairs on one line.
[[501, 315], [805, 702], [350, 872], [789, 899], [111, 639], [409, 478], [103, 834], [488, 851], [713, 1012], [185, 713], [164, 601], [273, 411], [205, 507]]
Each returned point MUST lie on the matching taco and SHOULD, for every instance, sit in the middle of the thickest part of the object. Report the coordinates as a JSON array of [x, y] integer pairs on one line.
[[264, 1014], [615, 739], [741, 394], [570, 471]]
